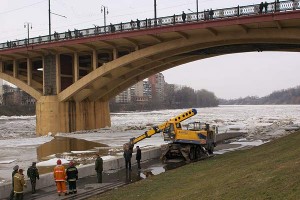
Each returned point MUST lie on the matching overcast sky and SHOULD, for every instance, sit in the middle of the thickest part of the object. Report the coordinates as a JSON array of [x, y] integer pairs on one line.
[[229, 76]]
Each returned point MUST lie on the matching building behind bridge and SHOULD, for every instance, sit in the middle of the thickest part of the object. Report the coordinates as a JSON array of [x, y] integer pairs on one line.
[[10, 95], [144, 91]]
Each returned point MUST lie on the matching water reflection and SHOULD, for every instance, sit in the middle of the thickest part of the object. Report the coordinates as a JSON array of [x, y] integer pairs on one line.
[[64, 144], [149, 169], [78, 150]]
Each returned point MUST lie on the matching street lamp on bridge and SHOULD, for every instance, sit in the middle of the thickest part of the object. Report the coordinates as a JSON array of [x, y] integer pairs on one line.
[[197, 10], [155, 16], [28, 25], [49, 15], [104, 10]]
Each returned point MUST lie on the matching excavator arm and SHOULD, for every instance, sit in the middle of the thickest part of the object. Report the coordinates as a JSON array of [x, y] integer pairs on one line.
[[161, 127]]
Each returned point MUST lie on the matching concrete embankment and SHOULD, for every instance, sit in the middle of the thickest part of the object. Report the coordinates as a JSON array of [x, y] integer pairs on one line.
[[46, 180]]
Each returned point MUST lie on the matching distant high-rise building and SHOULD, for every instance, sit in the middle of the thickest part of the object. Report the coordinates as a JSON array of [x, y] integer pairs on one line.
[[144, 90], [157, 83], [139, 89], [147, 89], [141, 92], [124, 97]]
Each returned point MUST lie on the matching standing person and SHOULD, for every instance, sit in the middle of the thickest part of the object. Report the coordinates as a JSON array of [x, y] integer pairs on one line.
[[60, 178], [16, 169], [132, 24], [138, 24], [211, 14], [99, 168], [127, 155], [33, 174], [19, 184], [72, 177], [206, 14], [266, 6], [183, 16], [261, 6], [138, 156]]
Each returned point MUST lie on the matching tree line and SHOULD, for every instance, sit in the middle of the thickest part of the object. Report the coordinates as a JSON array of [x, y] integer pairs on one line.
[[285, 96]]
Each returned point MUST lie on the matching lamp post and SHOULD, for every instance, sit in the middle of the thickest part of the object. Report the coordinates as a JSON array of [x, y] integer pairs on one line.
[[28, 25], [155, 16], [49, 15], [104, 10], [197, 10]]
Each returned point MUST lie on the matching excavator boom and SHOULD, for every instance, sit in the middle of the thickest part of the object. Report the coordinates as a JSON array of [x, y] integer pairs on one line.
[[161, 127]]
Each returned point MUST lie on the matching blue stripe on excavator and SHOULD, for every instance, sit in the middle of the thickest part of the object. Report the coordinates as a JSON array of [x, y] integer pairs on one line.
[[194, 111], [187, 142]]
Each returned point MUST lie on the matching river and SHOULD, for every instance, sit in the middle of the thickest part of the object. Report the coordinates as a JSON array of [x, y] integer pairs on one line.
[[19, 144]]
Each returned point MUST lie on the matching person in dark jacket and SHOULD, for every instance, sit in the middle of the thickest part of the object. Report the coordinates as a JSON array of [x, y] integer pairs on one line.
[[138, 24], [16, 169], [261, 7], [99, 168], [72, 177], [33, 174], [266, 6], [138, 156], [183, 16], [127, 155]]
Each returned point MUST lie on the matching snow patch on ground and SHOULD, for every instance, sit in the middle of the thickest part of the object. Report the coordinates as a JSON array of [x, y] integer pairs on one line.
[[51, 162], [6, 161]]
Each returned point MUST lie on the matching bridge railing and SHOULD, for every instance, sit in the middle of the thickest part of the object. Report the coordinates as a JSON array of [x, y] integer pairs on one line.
[[282, 6]]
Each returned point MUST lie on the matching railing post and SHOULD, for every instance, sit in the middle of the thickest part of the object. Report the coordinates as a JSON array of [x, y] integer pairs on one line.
[[174, 19], [197, 10], [238, 10]]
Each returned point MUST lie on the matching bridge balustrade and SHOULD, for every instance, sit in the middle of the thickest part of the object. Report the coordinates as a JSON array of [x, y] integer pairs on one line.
[[283, 6]]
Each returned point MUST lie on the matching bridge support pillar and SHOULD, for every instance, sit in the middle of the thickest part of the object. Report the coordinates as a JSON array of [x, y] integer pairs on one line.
[[54, 117]]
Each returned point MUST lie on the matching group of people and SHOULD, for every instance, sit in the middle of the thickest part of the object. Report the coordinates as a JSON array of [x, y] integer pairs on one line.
[[18, 181], [128, 155], [208, 14], [263, 6], [62, 175]]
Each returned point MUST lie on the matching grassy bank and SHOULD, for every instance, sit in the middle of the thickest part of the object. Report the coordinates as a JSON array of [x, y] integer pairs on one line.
[[270, 171]]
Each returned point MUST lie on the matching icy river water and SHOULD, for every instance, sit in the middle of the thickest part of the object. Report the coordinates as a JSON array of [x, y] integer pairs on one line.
[[19, 144]]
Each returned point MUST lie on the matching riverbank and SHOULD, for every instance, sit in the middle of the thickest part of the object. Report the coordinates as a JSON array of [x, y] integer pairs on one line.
[[269, 171], [17, 110], [110, 163]]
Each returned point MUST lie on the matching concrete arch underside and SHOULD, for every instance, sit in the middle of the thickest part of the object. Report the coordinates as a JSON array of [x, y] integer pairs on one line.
[[22, 85], [115, 76]]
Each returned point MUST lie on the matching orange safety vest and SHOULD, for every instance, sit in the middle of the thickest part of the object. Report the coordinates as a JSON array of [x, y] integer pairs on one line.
[[59, 173]]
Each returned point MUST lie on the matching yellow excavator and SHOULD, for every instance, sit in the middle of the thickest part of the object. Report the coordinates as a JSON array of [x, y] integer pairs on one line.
[[196, 141]]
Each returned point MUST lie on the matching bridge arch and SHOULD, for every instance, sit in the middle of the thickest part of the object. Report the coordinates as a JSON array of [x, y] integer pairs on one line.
[[76, 90], [22, 85], [119, 74]]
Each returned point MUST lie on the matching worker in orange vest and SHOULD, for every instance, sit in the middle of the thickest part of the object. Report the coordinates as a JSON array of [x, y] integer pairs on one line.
[[60, 178]]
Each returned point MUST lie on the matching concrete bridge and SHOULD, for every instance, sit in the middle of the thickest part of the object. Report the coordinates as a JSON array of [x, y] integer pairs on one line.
[[73, 75]]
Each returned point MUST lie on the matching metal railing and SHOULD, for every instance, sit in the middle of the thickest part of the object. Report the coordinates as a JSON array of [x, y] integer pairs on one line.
[[238, 11]]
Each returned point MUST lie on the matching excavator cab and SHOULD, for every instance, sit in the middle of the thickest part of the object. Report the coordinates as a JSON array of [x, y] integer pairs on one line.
[[170, 131]]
